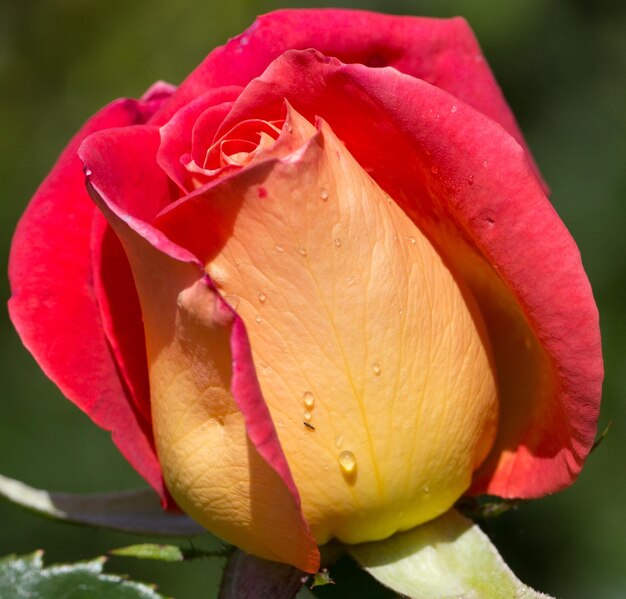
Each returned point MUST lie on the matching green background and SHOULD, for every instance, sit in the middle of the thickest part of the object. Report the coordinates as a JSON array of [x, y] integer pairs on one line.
[[562, 66]]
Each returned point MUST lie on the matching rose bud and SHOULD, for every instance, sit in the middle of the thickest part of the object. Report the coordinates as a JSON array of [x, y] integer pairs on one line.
[[317, 292]]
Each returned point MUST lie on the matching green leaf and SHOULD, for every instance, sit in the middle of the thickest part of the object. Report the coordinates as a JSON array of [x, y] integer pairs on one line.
[[24, 577], [447, 558], [136, 511], [169, 553], [322, 578], [166, 553]]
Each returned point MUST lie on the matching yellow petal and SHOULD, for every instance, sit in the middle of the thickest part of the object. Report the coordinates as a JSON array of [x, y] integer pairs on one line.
[[371, 354]]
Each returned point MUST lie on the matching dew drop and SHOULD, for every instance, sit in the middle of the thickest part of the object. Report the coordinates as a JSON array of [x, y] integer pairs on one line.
[[289, 127], [257, 318], [279, 248], [347, 462], [309, 400], [324, 193], [434, 169], [337, 242], [485, 163], [339, 441], [262, 297], [302, 250], [376, 368], [412, 240], [87, 171], [470, 179], [454, 108], [307, 416], [426, 490]]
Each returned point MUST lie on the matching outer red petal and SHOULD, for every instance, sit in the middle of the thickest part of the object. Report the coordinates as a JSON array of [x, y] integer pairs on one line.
[[467, 184], [121, 315], [54, 304], [443, 52], [130, 188]]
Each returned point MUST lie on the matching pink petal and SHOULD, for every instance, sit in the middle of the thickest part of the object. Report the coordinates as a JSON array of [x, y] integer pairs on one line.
[[443, 52], [468, 185], [54, 304]]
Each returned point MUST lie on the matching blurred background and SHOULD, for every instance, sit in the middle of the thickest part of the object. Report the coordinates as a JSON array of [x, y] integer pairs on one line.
[[562, 66]]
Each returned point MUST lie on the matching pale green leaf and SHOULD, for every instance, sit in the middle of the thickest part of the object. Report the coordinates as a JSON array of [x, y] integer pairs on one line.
[[136, 511], [165, 553], [448, 558], [24, 577]]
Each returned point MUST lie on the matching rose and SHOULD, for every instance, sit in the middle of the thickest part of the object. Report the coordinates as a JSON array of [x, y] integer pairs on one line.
[[320, 298]]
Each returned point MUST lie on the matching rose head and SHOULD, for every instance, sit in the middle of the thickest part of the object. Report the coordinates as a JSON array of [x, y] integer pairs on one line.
[[318, 290]]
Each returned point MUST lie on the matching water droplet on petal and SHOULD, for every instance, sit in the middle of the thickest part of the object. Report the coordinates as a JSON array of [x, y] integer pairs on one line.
[[347, 462], [434, 169], [307, 415], [470, 179], [87, 171], [376, 368], [339, 441], [337, 242], [262, 297], [324, 193], [257, 318], [485, 163], [454, 108], [426, 490], [302, 250], [279, 248], [412, 240], [309, 400]]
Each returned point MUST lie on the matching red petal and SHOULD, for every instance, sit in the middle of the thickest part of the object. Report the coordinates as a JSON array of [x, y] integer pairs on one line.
[[121, 314], [468, 185], [443, 52], [54, 305]]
